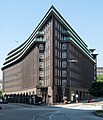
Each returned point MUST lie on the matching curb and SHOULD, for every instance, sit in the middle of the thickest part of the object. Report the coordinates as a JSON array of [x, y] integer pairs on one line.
[[95, 113]]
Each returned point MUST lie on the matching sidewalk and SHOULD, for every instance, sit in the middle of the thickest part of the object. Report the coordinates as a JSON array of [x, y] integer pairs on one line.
[[69, 105]]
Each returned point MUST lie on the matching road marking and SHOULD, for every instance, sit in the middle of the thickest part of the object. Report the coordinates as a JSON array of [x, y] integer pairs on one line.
[[34, 117], [41, 114], [50, 117]]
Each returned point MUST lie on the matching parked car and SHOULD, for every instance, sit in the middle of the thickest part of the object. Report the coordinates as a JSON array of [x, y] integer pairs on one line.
[[3, 101], [90, 100]]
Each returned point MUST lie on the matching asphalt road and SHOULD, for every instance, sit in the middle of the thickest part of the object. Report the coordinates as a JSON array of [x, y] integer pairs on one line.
[[61, 112], [22, 112]]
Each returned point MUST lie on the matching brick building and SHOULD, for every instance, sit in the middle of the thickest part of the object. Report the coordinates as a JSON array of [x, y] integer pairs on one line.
[[1, 82], [100, 70], [53, 63]]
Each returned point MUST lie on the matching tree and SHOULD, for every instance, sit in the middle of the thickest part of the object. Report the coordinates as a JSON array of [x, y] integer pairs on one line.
[[0, 94], [100, 78], [96, 88]]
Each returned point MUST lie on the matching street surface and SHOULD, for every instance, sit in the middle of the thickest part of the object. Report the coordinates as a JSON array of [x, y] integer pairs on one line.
[[78, 111]]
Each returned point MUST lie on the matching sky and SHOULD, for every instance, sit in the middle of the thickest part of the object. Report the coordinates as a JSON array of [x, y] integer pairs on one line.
[[18, 19]]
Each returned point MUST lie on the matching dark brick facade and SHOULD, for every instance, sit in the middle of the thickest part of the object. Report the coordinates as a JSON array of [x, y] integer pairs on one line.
[[54, 63]]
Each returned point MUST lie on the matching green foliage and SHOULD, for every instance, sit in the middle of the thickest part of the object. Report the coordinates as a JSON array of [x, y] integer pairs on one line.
[[96, 89], [99, 78], [0, 94]]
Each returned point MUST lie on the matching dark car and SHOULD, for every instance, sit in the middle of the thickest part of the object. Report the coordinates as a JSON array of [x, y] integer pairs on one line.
[[3, 102], [90, 100]]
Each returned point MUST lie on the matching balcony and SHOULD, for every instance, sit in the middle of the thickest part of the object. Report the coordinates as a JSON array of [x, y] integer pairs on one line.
[[40, 34], [41, 39], [66, 33], [66, 39]]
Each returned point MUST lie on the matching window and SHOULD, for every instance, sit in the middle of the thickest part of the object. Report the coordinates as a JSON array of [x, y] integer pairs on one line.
[[41, 82], [64, 64], [58, 25], [58, 72], [58, 35], [40, 39], [60, 54], [41, 47], [55, 42], [41, 56], [64, 73], [55, 61], [41, 65], [64, 82], [55, 23], [58, 81], [64, 55], [65, 38], [58, 44], [58, 62], [55, 33], [55, 81], [55, 71], [56, 52], [64, 46], [41, 74]]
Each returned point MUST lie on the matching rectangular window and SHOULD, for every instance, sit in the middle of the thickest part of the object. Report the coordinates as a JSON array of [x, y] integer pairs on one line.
[[41, 73], [64, 55], [58, 63], [41, 47], [58, 25], [58, 72], [55, 23], [64, 82], [41, 82], [55, 33], [41, 64], [41, 56], [55, 52], [56, 42], [55, 71], [64, 64], [58, 35], [64, 73], [58, 81], [58, 53], [55, 61]]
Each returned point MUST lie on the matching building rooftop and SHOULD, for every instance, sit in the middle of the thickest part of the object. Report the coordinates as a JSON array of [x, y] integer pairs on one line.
[[19, 53]]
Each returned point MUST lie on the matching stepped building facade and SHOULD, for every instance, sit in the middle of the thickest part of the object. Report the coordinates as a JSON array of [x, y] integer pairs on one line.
[[53, 63]]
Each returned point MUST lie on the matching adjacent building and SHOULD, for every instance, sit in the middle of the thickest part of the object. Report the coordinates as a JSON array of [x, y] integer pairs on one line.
[[53, 63], [100, 70], [1, 85]]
